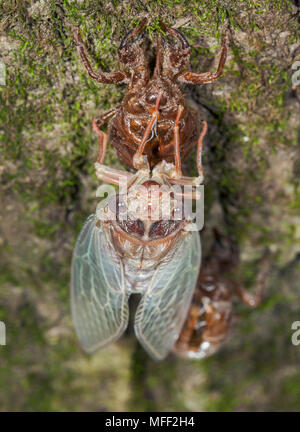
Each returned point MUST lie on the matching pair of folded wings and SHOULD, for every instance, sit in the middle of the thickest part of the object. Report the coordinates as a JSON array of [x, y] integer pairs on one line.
[[100, 295]]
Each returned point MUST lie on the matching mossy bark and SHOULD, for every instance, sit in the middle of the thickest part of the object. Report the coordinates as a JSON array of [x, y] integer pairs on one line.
[[252, 166]]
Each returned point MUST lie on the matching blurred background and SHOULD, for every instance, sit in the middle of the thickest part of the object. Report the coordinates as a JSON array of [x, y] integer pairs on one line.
[[252, 168]]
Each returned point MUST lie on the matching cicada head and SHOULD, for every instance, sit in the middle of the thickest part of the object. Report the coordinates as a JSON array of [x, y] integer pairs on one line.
[[145, 222]]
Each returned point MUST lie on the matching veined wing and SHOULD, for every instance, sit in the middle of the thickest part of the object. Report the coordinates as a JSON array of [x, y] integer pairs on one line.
[[163, 309], [99, 299]]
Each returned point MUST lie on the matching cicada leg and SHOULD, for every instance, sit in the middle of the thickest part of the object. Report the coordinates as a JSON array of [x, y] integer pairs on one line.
[[103, 138], [206, 77], [101, 77], [177, 143], [176, 58], [133, 57], [103, 172], [111, 175], [188, 182], [102, 119]]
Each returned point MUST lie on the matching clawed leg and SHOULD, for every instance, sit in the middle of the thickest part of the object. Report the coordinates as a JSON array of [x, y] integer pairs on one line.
[[132, 56], [97, 123], [255, 299], [188, 182], [175, 58], [177, 148], [101, 77], [105, 173], [206, 77], [173, 173], [103, 138], [112, 175], [102, 119]]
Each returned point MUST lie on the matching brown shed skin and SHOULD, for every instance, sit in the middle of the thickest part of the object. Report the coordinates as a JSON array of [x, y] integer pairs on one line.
[[129, 120]]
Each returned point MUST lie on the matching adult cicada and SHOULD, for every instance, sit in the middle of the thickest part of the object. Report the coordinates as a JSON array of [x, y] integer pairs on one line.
[[138, 242]]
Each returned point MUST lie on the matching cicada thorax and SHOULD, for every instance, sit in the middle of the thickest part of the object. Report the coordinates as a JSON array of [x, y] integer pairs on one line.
[[140, 251], [127, 128]]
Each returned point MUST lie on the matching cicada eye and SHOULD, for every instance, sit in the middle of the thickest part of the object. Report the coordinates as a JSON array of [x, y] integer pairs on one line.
[[163, 228], [132, 226]]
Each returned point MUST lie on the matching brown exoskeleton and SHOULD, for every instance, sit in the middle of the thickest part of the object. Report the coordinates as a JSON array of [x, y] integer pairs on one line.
[[154, 117], [211, 317]]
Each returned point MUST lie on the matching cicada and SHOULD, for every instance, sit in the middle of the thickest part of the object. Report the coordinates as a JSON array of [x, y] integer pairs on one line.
[[145, 120], [136, 244]]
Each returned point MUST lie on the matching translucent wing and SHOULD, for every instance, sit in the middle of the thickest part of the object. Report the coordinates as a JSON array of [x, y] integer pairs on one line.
[[163, 309], [99, 300]]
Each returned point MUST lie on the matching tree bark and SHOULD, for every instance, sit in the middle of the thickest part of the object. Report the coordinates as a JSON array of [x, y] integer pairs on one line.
[[252, 171]]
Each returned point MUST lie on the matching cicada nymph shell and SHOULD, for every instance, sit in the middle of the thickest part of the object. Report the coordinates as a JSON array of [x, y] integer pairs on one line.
[[153, 96]]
